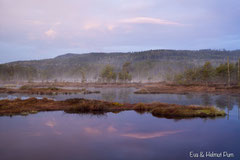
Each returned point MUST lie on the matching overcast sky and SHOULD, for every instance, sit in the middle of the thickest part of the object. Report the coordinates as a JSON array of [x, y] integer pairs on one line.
[[36, 29]]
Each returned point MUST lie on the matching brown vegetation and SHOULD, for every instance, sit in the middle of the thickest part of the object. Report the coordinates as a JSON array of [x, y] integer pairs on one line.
[[144, 88], [45, 91], [190, 88], [33, 105]]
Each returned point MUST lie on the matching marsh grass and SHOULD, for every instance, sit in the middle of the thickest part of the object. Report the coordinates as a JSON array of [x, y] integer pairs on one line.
[[87, 106], [46, 91], [187, 111], [142, 108], [25, 87]]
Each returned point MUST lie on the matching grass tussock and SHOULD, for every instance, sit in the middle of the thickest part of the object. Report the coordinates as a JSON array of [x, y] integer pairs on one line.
[[187, 111], [90, 106], [85, 107], [142, 108], [25, 87], [24, 107], [53, 88], [142, 91]]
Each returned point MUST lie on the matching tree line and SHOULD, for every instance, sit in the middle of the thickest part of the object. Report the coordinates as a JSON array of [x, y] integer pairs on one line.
[[151, 71], [109, 75], [227, 73], [15, 73]]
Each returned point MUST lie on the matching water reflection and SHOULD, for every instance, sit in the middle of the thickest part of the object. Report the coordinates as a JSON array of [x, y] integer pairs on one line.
[[109, 96], [225, 102], [50, 124], [92, 131], [97, 131], [126, 95], [189, 96], [238, 105], [111, 129], [151, 135], [115, 94], [206, 99], [127, 135]]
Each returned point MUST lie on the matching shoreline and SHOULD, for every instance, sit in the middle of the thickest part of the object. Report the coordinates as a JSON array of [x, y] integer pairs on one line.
[[187, 89]]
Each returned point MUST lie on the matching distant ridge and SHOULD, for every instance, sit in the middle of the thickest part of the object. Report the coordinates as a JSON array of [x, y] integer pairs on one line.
[[151, 64]]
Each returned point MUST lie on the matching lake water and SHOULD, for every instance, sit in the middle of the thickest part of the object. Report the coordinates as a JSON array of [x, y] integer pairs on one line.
[[127, 135]]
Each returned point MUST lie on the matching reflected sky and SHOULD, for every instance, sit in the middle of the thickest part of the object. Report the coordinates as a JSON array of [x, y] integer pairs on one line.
[[127, 135], [151, 135]]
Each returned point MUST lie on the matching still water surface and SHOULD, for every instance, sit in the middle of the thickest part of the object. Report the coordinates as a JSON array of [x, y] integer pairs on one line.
[[127, 135]]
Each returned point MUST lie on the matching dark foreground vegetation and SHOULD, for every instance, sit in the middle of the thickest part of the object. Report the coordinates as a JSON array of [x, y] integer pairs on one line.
[[33, 105]]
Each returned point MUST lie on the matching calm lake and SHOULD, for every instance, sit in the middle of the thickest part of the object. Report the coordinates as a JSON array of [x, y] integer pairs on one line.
[[126, 135]]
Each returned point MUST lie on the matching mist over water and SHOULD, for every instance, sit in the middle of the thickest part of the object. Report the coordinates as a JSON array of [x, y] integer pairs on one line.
[[126, 135]]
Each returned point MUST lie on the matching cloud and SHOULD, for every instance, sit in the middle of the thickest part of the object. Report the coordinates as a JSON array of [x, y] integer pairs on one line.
[[50, 33], [110, 27], [121, 23], [148, 20], [89, 26], [29, 27], [99, 26], [150, 135], [36, 22]]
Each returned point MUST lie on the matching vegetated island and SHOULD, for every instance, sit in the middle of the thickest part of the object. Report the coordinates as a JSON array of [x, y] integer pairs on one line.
[[33, 105], [28, 89]]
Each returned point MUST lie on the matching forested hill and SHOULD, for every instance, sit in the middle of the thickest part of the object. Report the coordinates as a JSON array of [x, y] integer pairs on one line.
[[152, 65]]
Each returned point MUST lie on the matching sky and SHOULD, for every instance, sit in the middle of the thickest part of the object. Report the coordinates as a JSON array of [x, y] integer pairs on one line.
[[38, 29]]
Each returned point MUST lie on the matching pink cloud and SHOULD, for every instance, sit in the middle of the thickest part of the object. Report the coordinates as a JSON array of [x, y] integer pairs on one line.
[[148, 20], [89, 26], [50, 33]]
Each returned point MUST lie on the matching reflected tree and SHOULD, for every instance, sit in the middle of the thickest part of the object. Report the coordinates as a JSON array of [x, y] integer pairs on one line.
[[238, 104], [109, 96], [124, 95], [225, 102], [206, 99]]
